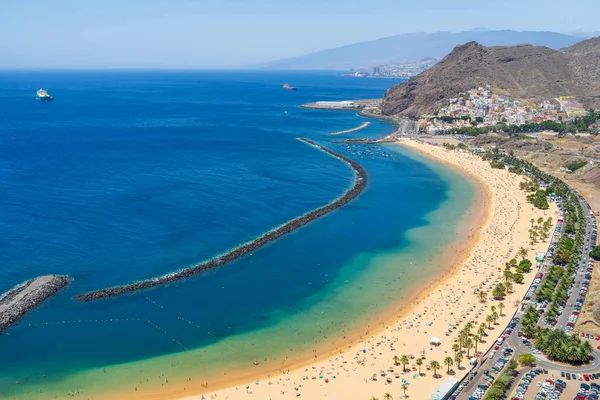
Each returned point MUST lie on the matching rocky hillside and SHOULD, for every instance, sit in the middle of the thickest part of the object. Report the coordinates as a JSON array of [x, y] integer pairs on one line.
[[523, 71]]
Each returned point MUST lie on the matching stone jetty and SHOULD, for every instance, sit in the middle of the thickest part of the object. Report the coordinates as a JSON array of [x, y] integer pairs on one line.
[[23, 298], [358, 128], [360, 182]]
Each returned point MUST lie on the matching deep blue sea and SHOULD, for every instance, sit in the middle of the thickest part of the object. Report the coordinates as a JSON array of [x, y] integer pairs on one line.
[[131, 174]]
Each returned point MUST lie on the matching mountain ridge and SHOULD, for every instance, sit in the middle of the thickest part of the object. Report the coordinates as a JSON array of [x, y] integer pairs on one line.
[[415, 46], [521, 71]]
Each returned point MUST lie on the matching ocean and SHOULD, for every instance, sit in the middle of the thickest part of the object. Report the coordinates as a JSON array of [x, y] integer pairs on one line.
[[128, 175]]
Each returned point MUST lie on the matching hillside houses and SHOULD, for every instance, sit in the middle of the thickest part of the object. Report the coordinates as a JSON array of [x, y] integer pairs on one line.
[[481, 107]]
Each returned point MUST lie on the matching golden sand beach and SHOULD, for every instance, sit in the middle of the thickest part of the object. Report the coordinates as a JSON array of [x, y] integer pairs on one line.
[[441, 310]]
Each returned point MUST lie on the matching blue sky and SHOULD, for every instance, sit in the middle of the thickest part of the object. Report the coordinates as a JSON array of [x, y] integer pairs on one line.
[[228, 33]]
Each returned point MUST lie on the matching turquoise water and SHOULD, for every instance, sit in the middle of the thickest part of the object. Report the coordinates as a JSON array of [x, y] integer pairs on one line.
[[128, 175]]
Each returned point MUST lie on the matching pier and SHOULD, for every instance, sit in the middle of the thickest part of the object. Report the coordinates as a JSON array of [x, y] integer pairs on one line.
[[21, 299], [360, 182], [348, 105], [358, 128]]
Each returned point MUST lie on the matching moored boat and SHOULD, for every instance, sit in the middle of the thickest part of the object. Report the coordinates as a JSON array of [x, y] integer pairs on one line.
[[43, 96], [287, 86]]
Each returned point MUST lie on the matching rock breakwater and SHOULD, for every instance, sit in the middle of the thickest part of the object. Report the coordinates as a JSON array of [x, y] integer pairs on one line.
[[23, 298], [358, 128], [360, 182]]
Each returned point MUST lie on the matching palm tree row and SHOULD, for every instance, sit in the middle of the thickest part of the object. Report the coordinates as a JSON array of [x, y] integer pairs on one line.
[[559, 346]]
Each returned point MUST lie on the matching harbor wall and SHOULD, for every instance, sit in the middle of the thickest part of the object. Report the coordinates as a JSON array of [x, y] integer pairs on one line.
[[23, 298]]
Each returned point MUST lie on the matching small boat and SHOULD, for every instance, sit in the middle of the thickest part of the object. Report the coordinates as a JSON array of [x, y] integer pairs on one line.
[[287, 86], [254, 362], [43, 96]]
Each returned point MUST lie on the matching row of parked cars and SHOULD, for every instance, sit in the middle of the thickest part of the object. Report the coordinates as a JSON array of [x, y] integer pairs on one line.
[[578, 304], [525, 382], [489, 377], [550, 390], [588, 392]]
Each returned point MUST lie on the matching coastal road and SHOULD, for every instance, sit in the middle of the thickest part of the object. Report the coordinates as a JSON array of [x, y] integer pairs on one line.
[[514, 341]]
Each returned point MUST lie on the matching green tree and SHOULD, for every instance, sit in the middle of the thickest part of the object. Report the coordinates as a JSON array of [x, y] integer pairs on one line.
[[468, 346], [595, 253], [448, 362], [526, 359], [458, 356], [387, 396], [396, 360], [404, 361], [482, 296], [404, 387], [501, 307], [524, 266], [489, 319], [508, 276], [509, 287], [434, 365], [476, 339], [518, 278], [419, 362], [523, 252], [499, 291]]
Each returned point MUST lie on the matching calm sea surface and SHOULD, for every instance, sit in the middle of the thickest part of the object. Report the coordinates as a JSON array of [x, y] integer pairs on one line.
[[129, 175]]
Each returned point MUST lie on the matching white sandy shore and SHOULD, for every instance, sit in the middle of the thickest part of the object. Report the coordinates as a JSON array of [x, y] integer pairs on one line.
[[451, 303]]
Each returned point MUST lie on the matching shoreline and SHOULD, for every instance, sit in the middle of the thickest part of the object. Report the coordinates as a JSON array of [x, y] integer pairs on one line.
[[437, 284], [359, 184], [388, 327], [456, 252]]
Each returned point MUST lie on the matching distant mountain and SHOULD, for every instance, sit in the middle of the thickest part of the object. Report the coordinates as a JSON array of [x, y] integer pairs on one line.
[[584, 34], [415, 46], [523, 71]]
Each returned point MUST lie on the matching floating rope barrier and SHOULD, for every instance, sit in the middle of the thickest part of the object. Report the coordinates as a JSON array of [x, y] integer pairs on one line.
[[84, 321]]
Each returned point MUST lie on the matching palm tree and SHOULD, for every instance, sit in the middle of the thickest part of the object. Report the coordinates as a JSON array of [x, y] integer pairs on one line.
[[481, 330], [509, 287], [448, 362], [523, 252], [404, 387], [493, 308], [373, 398], [508, 276], [396, 360], [468, 327], [419, 362], [495, 316], [434, 365], [532, 221], [482, 296], [501, 306], [476, 339], [458, 358], [404, 361], [489, 320], [455, 347], [387, 396], [469, 346]]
